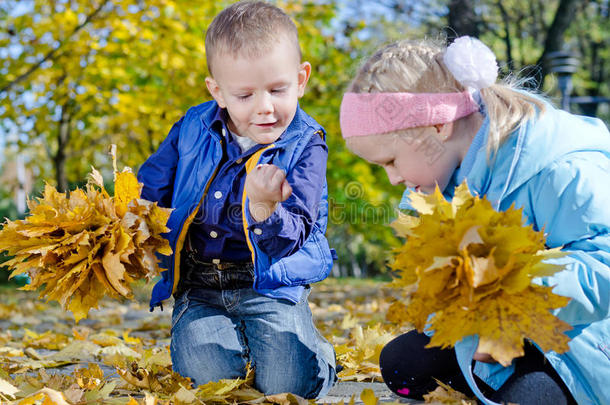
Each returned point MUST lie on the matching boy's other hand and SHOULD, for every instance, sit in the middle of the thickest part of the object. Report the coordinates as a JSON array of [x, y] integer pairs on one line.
[[266, 186]]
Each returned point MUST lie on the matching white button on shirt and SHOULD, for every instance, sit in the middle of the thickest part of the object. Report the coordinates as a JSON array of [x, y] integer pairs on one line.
[[218, 195], [213, 234], [258, 231], [224, 132]]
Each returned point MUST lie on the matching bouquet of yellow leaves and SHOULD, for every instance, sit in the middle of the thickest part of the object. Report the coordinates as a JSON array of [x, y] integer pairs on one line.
[[88, 244], [467, 269]]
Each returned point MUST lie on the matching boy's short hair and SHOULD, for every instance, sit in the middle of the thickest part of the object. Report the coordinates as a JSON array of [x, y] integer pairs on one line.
[[248, 28]]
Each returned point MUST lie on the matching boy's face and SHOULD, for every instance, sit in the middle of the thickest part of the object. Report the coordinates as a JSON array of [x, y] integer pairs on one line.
[[260, 93]]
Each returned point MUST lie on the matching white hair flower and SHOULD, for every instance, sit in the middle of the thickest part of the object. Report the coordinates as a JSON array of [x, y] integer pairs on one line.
[[471, 62]]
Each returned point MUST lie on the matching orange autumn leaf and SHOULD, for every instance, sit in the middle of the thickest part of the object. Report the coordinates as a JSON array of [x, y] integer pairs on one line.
[[82, 246], [467, 269]]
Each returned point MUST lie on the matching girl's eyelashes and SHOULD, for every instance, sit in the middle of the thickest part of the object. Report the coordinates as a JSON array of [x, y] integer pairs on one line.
[[243, 96]]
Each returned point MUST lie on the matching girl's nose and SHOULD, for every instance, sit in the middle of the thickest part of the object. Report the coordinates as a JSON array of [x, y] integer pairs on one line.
[[393, 176]]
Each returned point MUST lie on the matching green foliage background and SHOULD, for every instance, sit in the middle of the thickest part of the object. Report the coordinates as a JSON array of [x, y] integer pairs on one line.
[[76, 76]]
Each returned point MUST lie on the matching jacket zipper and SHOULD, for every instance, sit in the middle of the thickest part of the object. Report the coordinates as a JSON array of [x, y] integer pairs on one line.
[[185, 227], [251, 164]]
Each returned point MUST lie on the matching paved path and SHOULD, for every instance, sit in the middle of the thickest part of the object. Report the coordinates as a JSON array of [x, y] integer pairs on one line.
[[343, 391]]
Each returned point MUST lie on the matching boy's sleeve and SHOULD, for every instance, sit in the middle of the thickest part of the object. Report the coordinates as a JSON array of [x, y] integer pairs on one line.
[[571, 202], [157, 172], [285, 231]]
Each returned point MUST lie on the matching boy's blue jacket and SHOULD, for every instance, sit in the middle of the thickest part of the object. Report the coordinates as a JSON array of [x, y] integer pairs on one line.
[[178, 175], [557, 168]]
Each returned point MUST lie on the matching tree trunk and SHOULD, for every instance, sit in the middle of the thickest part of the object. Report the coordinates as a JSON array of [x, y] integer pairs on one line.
[[555, 35], [59, 160], [510, 64], [462, 19]]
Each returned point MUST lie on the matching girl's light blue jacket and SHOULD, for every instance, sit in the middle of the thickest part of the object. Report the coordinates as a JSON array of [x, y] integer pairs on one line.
[[557, 168]]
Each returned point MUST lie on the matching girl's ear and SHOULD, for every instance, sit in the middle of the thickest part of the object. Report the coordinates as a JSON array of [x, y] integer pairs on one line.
[[303, 77], [214, 90]]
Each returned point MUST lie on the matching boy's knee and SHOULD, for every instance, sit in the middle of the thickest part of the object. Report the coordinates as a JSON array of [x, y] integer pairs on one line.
[[304, 380], [208, 364]]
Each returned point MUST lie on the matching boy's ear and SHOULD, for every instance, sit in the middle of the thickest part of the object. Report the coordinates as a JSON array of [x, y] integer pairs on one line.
[[304, 73], [215, 91]]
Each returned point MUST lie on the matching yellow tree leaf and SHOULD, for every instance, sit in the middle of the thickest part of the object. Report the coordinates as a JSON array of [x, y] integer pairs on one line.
[[126, 189], [286, 399], [7, 390], [444, 394], [90, 377], [368, 397], [48, 395]]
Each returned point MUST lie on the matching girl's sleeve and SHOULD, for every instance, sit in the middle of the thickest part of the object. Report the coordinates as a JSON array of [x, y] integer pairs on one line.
[[157, 172], [571, 202]]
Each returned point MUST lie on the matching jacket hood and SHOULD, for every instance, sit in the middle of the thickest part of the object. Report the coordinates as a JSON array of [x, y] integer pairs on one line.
[[534, 146]]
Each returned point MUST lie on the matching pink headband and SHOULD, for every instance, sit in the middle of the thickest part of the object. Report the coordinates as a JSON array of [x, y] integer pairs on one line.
[[378, 113]]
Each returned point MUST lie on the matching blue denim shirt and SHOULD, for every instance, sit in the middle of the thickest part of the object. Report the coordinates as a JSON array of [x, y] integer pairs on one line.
[[217, 231]]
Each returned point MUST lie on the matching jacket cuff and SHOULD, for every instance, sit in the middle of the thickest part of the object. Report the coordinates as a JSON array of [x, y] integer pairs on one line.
[[268, 228]]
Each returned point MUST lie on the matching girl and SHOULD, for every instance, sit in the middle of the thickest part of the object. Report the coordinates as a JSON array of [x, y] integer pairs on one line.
[[432, 116]]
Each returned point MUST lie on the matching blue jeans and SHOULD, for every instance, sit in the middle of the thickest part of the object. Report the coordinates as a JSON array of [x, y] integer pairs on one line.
[[215, 333]]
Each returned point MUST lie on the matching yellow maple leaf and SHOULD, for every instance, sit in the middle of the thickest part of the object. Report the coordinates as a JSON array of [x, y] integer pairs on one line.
[[360, 356], [444, 394], [220, 391], [467, 269], [90, 377], [48, 395], [368, 397], [126, 189], [7, 390], [82, 246]]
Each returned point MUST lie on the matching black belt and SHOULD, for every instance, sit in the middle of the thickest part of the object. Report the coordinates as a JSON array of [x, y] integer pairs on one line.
[[218, 276]]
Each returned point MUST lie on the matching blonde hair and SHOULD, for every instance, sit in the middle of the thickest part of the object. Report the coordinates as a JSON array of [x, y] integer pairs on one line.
[[248, 28], [418, 67]]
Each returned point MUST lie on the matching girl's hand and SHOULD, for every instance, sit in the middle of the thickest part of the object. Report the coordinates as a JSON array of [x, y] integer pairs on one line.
[[266, 186], [484, 357]]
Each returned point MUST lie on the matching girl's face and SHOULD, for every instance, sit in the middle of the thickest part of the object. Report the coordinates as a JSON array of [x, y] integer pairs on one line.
[[419, 158]]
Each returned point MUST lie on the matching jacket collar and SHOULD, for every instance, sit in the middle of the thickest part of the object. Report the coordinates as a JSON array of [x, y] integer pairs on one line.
[[534, 146]]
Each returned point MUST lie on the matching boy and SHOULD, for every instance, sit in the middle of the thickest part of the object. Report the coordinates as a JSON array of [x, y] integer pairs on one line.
[[245, 175]]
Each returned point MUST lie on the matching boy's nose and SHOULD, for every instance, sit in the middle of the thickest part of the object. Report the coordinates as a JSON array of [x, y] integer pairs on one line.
[[265, 106]]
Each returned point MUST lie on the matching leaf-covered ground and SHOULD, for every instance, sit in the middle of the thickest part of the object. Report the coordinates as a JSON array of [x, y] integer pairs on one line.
[[120, 353]]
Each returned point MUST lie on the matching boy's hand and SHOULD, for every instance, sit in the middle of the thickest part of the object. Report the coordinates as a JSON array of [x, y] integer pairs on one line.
[[266, 186]]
